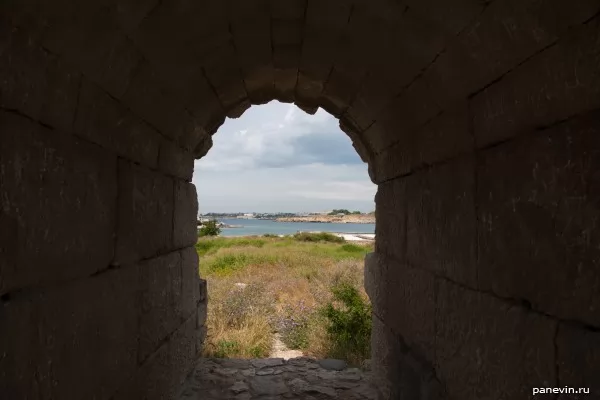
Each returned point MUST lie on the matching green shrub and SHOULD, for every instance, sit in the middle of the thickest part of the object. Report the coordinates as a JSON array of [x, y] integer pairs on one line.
[[353, 248], [318, 237], [349, 325], [225, 348], [210, 228], [270, 235]]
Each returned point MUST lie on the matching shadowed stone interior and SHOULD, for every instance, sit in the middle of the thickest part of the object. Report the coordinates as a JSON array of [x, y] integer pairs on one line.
[[480, 123]]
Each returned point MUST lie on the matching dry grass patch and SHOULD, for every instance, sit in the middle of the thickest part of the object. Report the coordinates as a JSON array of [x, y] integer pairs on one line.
[[258, 286]]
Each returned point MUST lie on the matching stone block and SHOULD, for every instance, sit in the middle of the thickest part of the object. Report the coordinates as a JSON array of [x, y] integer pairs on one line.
[[163, 373], [175, 161], [60, 98], [203, 147], [441, 220], [202, 290], [488, 348], [40, 85], [390, 219], [130, 14], [399, 371], [443, 138], [404, 298], [250, 26], [150, 100], [102, 120], [89, 37], [407, 113], [190, 283], [578, 360], [560, 82], [58, 205], [23, 69], [185, 229], [225, 76], [318, 53], [145, 214], [506, 34], [411, 45], [120, 66], [537, 216], [205, 106], [72, 341], [287, 9], [161, 285]]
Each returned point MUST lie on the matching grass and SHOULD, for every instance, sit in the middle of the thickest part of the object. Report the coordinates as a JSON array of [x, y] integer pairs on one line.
[[261, 285]]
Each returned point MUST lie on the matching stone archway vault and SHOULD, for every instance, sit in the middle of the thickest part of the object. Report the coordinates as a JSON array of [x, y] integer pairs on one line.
[[478, 119]]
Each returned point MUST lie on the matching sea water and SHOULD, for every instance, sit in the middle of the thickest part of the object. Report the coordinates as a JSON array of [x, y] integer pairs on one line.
[[263, 226]]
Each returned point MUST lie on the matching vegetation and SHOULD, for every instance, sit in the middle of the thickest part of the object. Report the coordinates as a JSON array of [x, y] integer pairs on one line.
[[340, 211], [210, 228], [349, 323], [308, 290], [318, 237]]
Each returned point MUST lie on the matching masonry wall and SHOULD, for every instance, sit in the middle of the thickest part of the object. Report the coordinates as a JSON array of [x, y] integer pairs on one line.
[[479, 121], [486, 276], [100, 296]]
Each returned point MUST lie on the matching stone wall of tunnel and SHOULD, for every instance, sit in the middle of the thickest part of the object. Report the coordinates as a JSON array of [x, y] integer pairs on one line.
[[479, 120]]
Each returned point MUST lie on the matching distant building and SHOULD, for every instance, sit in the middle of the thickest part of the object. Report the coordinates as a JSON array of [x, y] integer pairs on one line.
[[246, 216]]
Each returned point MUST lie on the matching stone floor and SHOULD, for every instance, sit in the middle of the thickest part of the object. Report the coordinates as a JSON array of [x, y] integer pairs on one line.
[[276, 378]]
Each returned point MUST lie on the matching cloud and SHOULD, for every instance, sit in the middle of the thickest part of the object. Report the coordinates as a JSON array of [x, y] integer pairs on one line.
[[278, 158]]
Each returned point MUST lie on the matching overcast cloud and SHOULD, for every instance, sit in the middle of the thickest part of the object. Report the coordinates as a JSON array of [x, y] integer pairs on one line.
[[276, 158]]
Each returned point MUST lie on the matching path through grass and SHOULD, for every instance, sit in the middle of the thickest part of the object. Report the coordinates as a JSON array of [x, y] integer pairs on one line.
[[261, 285]]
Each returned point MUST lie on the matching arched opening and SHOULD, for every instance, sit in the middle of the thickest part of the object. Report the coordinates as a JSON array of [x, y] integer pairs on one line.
[[479, 124], [272, 277]]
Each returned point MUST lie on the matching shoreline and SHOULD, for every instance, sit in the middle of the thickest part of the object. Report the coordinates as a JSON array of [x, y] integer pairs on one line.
[[348, 236]]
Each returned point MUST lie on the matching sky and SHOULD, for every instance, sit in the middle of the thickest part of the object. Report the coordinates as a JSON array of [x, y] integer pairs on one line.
[[277, 158]]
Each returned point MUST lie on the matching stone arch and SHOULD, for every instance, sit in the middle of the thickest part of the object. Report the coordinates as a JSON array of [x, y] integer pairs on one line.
[[479, 123]]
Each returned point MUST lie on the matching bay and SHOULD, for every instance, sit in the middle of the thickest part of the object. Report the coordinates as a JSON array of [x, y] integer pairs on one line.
[[263, 226]]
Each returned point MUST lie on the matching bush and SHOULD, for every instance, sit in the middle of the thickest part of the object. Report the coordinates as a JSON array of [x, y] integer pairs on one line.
[[270, 235], [318, 237], [340, 211], [226, 348], [210, 228], [349, 326]]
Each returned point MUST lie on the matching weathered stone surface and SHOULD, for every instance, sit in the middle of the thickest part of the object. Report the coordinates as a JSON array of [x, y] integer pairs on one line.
[[58, 205], [161, 284], [333, 364], [441, 220], [23, 69], [445, 137], [60, 98], [175, 161], [487, 348], [390, 219], [54, 330], [162, 374], [296, 378], [102, 120], [404, 297], [537, 220], [470, 62], [146, 96], [145, 219], [191, 285], [185, 230], [556, 84], [578, 360]]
